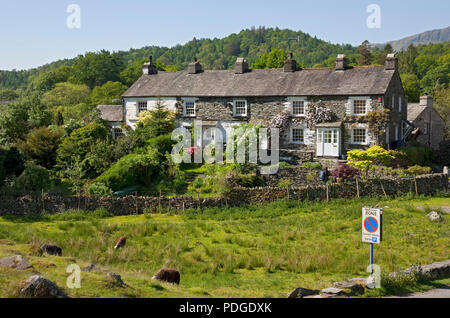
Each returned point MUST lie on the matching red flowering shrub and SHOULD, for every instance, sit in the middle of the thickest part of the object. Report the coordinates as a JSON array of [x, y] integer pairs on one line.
[[345, 172]]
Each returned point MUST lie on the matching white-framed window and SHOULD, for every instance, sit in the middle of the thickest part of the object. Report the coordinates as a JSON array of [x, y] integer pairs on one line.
[[359, 136], [189, 107], [240, 107], [399, 104], [117, 132], [359, 106], [142, 106], [297, 106], [297, 135]]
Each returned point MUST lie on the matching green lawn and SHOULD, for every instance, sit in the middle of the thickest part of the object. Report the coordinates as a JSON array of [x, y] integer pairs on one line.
[[255, 251]]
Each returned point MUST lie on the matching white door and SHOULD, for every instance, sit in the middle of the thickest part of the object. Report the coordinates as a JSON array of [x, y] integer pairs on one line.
[[328, 142]]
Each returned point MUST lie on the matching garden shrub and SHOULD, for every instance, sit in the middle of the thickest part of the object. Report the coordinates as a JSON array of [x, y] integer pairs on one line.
[[364, 159], [345, 172], [33, 179], [418, 155], [98, 189], [131, 170], [418, 170]]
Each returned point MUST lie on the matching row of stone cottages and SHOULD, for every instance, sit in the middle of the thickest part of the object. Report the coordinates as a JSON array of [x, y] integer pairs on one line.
[[224, 98]]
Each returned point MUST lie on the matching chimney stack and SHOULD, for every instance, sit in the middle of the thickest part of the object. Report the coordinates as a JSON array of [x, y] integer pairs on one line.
[[391, 63], [290, 65], [426, 101], [241, 66], [195, 67], [149, 68], [341, 62]]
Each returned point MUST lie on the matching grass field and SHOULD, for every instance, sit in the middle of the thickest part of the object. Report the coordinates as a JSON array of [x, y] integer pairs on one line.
[[254, 251]]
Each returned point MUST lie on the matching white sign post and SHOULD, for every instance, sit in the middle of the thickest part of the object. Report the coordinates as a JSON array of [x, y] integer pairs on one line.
[[372, 229]]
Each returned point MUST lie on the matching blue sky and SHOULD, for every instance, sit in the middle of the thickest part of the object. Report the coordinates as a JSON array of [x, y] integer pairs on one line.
[[33, 33]]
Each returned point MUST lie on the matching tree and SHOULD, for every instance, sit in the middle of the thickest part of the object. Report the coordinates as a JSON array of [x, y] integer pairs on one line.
[[77, 145], [159, 121], [47, 80], [66, 94], [406, 60], [366, 56], [33, 179], [95, 69], [441, 96], [41, 144], [108, 94], [19, 117], [274, 59], [8, 94], [383, 53], [411, 87]]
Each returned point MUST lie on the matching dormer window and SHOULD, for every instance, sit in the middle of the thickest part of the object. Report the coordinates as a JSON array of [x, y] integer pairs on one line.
[[189, 107], [240, 108], [142, 106]]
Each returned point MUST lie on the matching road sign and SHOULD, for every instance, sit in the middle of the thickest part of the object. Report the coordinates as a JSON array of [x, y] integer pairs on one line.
[[372, 225]]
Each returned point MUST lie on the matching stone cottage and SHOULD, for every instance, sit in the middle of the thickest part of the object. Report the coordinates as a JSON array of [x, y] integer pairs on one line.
[[113, 116], [225, 98], [429, 124]]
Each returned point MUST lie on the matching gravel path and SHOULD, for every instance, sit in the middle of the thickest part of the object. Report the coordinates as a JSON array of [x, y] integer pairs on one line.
[[441, 292]]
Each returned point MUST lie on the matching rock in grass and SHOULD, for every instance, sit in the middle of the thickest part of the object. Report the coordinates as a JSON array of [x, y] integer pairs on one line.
[[350, 288], [168, 275], [51, 249], [91, 268], [302, 293], [332, 291], [39, 287], [116, 279], [15, 262], [434, 216], [445, 209]]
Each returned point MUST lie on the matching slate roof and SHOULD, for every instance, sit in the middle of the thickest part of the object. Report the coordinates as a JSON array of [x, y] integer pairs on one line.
[[373, 80], [111, 113], [414, 111]]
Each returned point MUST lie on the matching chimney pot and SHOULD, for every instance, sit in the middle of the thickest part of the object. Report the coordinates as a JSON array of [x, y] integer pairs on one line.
[[241, 66], [290, 65], [149, 68], [391, 62], [341, 62]]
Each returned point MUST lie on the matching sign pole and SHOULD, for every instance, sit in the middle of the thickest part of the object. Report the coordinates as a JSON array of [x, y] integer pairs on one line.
[[371, 258]]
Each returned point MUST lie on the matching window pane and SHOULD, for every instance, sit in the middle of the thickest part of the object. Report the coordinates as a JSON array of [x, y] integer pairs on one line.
[[297, 135], [142, 106], [359, 106], [240, 107], [359, 135], [190, 108], [298, 107], [327, 136]]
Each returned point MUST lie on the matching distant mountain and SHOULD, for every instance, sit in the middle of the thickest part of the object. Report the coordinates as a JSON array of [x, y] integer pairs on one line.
[[434, 36]]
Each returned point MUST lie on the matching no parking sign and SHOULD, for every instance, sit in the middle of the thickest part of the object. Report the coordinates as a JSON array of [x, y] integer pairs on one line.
[[372, 225]]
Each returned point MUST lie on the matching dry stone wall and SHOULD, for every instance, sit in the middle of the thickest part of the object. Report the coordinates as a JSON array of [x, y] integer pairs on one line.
[[427, 185]]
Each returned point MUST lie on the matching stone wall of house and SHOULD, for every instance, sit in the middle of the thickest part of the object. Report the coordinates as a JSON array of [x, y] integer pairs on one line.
[[427, 185], [298, 176]]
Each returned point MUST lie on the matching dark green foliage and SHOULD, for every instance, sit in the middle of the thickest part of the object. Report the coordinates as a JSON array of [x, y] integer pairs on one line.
[[18, 118], [76, 146], [8, 94], [108, 94], [47, 80], [131, 170], [95, 69], [418, 155], [163, 143], [11, 163], [250, 181], [33, 179], [41, 144]]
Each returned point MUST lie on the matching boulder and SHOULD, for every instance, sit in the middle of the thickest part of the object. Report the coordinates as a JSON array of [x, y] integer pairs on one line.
[[332, 291], [39, 287], [15, 262], [302, 293], [445, 209], [350, 288], [434, 216], [51, 249], [116, 279], [91, 268]]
